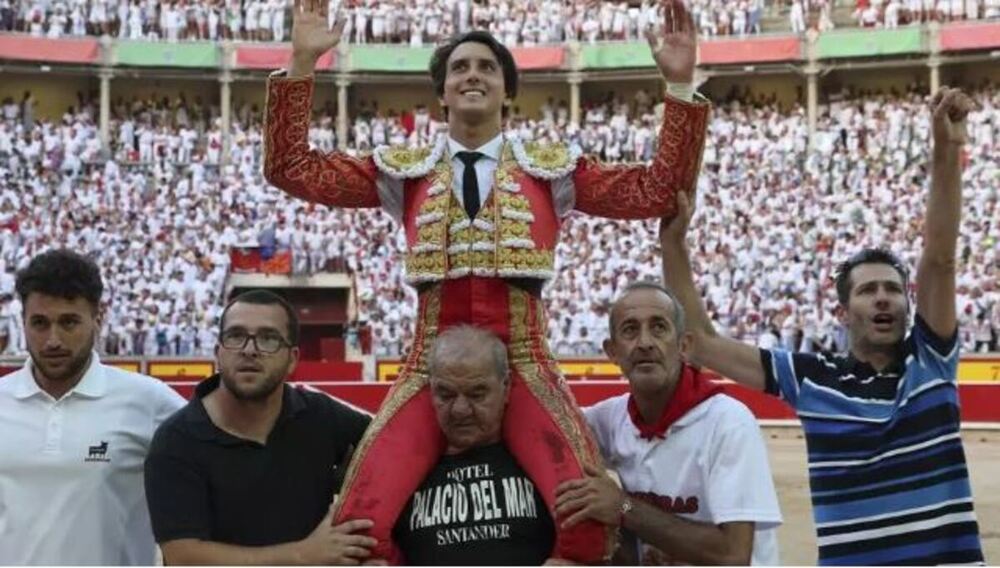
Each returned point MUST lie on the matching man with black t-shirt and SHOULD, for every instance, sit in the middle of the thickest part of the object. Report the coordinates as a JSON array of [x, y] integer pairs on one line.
[[477, 506], [245, 473]]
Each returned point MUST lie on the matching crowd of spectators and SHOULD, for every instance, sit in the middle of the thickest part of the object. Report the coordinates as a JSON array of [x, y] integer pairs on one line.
[[775, 217], [425, 22], [413, 22], [895, 13], [177, 20]]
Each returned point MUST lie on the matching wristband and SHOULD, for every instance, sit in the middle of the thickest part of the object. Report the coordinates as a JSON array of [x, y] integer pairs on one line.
[[623, 510]]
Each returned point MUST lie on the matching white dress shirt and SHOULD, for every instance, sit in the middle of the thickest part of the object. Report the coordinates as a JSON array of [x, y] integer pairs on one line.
[[390, 190]]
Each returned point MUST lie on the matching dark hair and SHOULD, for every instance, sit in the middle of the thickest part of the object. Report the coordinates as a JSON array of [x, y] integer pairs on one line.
[[866, 256], [265, 298], [679, 315], [439, 62], [64, 274]]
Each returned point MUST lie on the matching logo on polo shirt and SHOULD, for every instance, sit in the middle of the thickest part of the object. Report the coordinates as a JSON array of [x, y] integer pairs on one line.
[[98, 453]]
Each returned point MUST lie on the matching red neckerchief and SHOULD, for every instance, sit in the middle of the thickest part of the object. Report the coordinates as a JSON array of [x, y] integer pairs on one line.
[[692, 388]]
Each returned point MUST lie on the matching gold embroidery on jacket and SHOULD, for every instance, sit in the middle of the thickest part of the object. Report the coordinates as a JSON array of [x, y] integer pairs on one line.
[[411, 379], [548, 156], [534, 362], [497, 243]]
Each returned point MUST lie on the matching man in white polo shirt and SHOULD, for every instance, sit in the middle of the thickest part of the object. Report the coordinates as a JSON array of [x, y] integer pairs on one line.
[[696, 485], [73, 432]]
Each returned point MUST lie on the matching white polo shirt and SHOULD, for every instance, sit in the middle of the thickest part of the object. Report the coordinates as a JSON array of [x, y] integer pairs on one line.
[[711, 466], [71, 470]]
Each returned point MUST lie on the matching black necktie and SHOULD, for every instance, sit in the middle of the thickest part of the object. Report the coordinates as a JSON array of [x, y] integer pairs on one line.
[[470, 183]]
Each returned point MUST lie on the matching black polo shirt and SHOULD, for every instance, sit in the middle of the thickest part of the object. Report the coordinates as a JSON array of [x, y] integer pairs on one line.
[[207, 484]]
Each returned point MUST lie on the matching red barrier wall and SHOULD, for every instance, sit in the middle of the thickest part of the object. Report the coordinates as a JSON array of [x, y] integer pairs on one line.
[[748, 51], [273, 57], [63, 50], [969, 36], [980, 403], [528, 58]]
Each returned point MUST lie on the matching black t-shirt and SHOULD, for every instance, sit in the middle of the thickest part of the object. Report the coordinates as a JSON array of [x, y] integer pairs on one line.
[[204, 483], [476, 508]]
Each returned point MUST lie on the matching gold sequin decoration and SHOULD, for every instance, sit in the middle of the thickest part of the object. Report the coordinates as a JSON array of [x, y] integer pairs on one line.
[[514, 229], [411, 379], [433, 263], [555, 397], [401, 157], [549, 156]]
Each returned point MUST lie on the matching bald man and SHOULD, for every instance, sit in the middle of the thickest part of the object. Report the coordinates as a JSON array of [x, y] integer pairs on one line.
[[477, 506]]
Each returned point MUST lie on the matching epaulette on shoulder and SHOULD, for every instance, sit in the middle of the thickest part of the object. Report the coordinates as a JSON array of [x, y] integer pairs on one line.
[[546, 161], [404, 162]]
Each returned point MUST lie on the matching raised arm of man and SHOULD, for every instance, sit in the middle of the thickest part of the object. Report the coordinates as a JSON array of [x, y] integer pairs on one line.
[[333, 179], [936, 270], [729, 357], [640, 191]]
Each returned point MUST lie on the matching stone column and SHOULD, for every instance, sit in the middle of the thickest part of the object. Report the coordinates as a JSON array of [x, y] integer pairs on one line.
[[812, 70], [343, 124], [812, 100], [574, 97], [226, 113], [104, 121], [934, 60], [934, 65]]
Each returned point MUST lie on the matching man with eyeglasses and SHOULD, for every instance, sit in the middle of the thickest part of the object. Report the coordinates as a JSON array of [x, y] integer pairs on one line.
[[247, 471]]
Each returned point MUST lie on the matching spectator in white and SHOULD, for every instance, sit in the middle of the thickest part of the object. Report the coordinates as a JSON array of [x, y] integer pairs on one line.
[[892, 14], [720, 508], [797, 17], [753, 145], [81, 427]]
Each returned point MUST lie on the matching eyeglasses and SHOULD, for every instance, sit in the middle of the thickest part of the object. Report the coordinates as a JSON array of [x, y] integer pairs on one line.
[[265, 342]]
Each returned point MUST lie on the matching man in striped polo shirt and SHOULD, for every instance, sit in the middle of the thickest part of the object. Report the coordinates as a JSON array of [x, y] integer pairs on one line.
[[886, 466]]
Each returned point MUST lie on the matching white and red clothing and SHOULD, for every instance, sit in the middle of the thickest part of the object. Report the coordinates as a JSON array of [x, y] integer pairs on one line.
[[708, 465], [484, 268]]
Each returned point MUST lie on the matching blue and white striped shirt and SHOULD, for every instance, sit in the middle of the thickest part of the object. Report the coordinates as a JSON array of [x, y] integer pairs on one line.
[[886, 466]]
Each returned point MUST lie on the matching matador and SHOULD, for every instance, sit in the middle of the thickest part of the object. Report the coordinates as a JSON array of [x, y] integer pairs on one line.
[[481, 210]]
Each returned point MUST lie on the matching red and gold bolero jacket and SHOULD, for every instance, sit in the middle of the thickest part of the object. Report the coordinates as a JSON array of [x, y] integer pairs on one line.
[[513, 235], [515, 232]]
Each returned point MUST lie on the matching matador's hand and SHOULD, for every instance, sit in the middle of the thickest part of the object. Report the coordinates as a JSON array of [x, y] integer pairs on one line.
[[675, 44], [311, 34]]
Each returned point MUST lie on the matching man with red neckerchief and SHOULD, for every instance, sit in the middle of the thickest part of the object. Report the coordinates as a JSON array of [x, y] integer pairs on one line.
[[696, 485], [481, 211]]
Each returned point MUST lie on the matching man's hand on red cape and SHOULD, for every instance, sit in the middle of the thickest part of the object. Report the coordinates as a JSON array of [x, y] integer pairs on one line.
[[675, 44], [594, 497], [336, 545]]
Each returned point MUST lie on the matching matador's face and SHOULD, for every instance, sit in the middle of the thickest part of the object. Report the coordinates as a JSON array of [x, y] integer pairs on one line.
[[474, 84]]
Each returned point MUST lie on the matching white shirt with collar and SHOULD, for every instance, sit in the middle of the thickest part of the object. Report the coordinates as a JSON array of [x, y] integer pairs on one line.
[[390, 190], [711, 466], [71, 470]]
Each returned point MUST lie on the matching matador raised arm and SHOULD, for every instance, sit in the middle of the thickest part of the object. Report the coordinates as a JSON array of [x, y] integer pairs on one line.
[[481, 210]]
